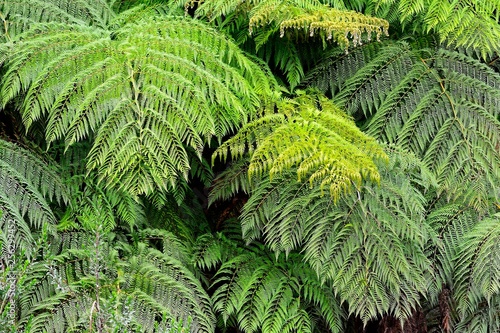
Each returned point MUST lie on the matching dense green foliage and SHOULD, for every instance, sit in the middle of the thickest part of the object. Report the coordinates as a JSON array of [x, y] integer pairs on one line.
[[259, 166]]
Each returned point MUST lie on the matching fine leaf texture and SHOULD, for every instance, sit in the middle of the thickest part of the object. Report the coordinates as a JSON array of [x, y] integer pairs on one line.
[[144, 92]]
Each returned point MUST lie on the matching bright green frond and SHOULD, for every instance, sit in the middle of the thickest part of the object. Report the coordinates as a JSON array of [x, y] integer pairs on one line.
[[145, 92], [472, 24], [19, 15], [312, 135], [282, 30]]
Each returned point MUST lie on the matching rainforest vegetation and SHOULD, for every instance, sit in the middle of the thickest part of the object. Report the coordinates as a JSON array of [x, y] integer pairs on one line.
[[251, 166]]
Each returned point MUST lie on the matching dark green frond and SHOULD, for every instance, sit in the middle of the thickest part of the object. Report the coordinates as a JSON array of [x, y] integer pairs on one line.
[[370, 245], [478, 276], [27, 185], [442, 105], [264, 295], [91, 280]]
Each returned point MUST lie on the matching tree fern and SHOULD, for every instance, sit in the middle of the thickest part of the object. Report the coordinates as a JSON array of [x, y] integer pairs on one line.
[[144, 94], [312, 134], [442, 105], [370, 246]]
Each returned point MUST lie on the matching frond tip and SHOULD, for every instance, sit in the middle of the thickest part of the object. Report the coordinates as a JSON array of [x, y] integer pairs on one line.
[[312, 135]]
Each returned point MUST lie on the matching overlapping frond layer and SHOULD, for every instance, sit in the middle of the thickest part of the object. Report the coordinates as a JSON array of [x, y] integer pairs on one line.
[[91, 280], [168, 285], [19, 15], [369, 246], [313, 135], [441, 105], [144, 92], [266, 295], [278, 27], [469, 23], [477, 277], [27, 185]]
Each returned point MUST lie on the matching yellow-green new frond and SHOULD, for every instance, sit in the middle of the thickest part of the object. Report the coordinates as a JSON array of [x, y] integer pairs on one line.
[[144, 92], [312, 135], [304, 18]]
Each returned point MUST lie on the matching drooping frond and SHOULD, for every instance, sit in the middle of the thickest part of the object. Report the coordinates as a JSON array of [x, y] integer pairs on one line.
[[144, 92], [233, 180], [469, 23], [442, 105], [27, 185], [477, 277], [279, 29], [451, 221], [369, 246], [312, 135], [299, 17], [17, 16]]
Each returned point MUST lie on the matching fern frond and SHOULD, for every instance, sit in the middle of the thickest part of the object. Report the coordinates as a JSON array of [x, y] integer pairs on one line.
[[145, 93], [27, 185], [309, 16], [312, 134], [477, 273], [369, 246], [274, 296], [442, 105], [470, 24], [19, 15], [280, 29], [90, 279]]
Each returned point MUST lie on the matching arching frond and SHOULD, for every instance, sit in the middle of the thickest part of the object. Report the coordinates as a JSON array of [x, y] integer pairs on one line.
[[442, 105], [278, 27], [313, 135], [264, 295], [477, 289], [91, 280], [145, 92], [309, 16]]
